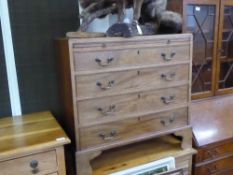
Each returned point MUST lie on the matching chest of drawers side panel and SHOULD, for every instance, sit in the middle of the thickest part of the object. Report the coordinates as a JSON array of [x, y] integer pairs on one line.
[[190, 77], [65, 88]]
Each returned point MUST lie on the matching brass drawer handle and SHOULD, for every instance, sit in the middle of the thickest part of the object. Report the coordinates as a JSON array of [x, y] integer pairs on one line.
[[212, 153], [108, 111], [108, 137], [169, 76], [107, 86], [173, 54], [166, 58], [34, 165], [168, 99], [104, 63], [167, 121], [212, 169]]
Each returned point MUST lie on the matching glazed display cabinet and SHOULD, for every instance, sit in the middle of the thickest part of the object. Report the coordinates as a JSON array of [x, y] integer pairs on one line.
[[211, 22]]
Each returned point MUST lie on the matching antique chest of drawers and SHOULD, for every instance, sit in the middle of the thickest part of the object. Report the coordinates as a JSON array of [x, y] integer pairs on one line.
[[32, 144], [118, 91], [213, 135]]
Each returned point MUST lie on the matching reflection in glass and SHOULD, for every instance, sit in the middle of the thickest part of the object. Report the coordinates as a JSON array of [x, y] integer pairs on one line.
[[226, 58]]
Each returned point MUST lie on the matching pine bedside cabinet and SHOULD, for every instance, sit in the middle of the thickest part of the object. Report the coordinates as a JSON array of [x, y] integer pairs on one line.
[[32, 144]]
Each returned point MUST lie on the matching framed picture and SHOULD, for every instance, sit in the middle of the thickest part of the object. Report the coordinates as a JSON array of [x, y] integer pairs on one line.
[[156, 167], [175, 172]]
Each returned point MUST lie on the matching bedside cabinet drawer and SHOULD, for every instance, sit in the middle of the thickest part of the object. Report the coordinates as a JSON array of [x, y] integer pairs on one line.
[[39, 164], [113, 83], [132, 128], [115, 59], [214, 152]]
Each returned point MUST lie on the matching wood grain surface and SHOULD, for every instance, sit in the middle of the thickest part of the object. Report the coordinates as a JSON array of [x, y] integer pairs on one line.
[[108, 84], [141, 153], [130, 105], [165, 54], [47, 163], [132, 128], [32, 132]]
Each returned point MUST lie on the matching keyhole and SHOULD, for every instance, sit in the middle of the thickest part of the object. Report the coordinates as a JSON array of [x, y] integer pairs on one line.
[[138, 52], [139, 72], [139, 96]]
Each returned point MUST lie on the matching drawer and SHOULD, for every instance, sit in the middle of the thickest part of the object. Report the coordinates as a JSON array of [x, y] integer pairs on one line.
[[227, 172], [224, 172], [43, 163], [123, 106], [215, 167], [132, 128], [105, 84], [110, 59], [214, 152]]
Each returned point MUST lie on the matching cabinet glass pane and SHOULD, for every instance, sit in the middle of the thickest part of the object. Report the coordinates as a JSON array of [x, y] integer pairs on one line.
[[226, 58], [200, 21]]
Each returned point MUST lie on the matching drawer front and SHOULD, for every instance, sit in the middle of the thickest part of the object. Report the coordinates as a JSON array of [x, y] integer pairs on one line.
[[124, 106], [225, 172], [97, 85], [215, 167], [41, 164], [103, 60], [132, 128], [214, 152]]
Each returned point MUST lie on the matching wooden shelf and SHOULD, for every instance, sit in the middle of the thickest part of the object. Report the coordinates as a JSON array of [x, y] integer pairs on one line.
[[141, 153]]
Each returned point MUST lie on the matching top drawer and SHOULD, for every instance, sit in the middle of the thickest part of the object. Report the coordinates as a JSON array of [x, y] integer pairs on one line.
[[214, 152], [41, 164], [124, 58]]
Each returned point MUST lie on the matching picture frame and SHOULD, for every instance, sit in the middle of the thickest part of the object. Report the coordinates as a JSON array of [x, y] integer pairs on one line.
[[152, 168]]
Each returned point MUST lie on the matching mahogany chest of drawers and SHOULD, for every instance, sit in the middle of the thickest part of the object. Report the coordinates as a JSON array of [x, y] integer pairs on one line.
[[118, 91], [32, 144], [213, 136]]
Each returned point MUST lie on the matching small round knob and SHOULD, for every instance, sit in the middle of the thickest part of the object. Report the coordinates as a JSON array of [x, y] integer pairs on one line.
[[34, 164]]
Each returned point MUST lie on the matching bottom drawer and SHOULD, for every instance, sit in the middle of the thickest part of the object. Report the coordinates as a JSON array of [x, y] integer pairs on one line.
[[41, 164], [216, 167], [132, 128]]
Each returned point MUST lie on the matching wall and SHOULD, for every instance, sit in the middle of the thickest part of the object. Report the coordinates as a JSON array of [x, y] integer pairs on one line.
[[35, 24], [5, 109]]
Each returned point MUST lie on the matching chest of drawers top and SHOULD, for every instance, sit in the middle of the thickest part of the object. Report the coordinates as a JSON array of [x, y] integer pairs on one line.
[[213, 136], [28, 133]]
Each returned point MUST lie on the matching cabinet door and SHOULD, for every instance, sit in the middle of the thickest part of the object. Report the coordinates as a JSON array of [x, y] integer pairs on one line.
[[201, 19], [225, 49]]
